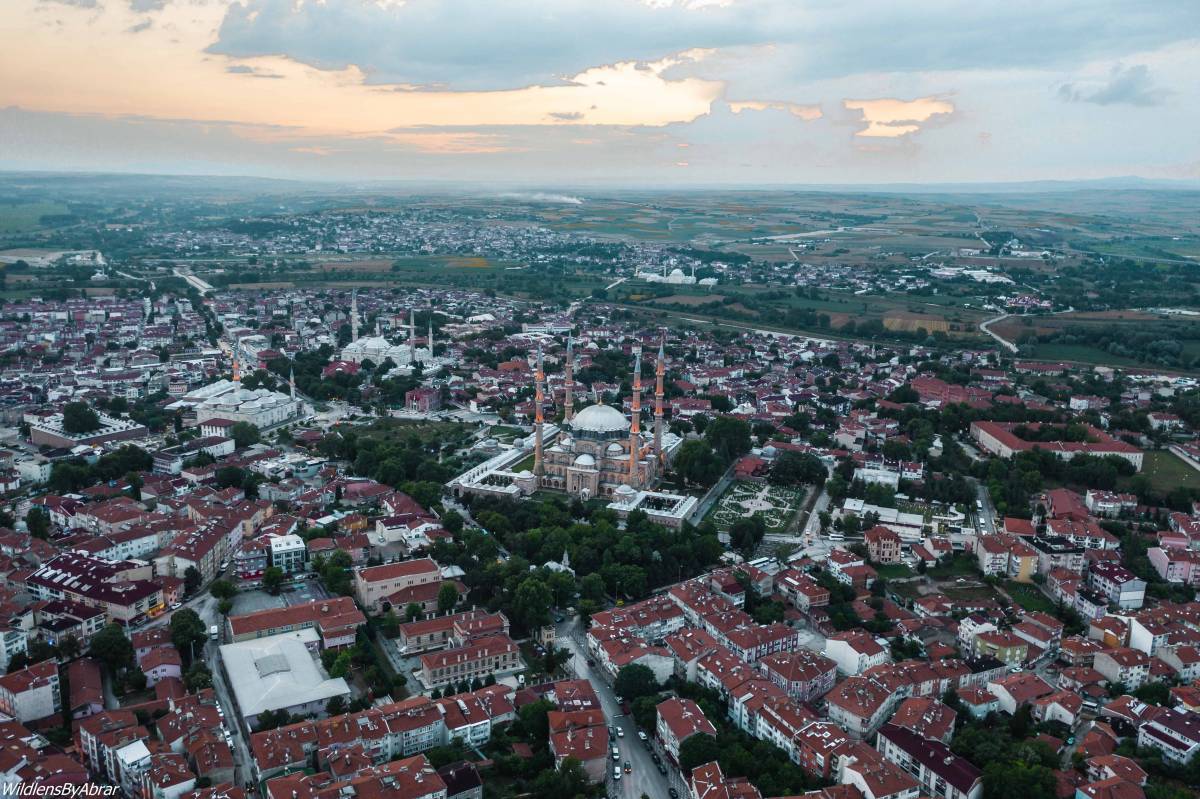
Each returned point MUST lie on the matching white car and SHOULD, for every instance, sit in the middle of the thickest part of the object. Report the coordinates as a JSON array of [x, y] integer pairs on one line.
[[617, 773], [620, 732], [642, 734]]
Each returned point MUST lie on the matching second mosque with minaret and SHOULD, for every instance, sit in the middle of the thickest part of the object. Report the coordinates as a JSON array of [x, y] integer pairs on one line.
[[378, 348]]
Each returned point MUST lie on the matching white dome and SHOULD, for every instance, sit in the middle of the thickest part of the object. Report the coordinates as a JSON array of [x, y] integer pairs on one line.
[[625, 490], [585, 460], [676, 273], [600, 419], [615, 449]]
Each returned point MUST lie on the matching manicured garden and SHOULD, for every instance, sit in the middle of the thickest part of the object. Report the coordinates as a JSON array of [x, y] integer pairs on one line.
[[775, 505]]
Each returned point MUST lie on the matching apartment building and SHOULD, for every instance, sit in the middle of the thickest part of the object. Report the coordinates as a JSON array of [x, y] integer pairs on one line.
[[31, 693], [940, 773], [122, 589]]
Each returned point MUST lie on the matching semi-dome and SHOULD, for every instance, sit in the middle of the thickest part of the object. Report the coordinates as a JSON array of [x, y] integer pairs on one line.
[[585, 460], [600, 420], [615, 449]]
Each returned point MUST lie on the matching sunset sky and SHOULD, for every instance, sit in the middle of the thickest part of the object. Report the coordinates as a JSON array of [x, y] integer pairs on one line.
[[626, 91]]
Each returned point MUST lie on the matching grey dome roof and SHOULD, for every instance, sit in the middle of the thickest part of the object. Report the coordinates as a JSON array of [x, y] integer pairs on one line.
[[600, 419]]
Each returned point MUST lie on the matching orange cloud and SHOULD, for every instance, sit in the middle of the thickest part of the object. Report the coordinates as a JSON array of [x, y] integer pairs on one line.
[[887, 117], [805, 112]]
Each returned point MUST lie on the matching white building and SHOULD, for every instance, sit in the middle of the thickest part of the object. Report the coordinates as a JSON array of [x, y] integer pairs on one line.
[[280, 672]]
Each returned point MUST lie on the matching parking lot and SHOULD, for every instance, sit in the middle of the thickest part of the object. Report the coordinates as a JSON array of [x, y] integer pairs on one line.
[[254, 600]]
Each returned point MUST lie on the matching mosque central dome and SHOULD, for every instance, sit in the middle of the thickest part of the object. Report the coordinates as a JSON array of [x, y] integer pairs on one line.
[[600, 420]]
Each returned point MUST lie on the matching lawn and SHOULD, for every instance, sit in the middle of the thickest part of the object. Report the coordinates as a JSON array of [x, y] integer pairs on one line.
[[1029, 596], [1168, 471], [960, 565], [891, 571]]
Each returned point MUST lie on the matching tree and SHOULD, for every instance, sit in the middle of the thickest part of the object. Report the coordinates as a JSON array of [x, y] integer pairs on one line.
[[635, 680], [78, 417], [792, 468], [198, 677], [413, 612], [531, 603], [341, 664], [535, 720], [244, 434], [223, 589], [188, 633], [746, 533], [729, 437], [452, 520], [447, 597], [191, 580], [225, 606], [272, 580], [38, 523], [336, 573], [336, 706], [1154, 693], [112, 648], [697, 463], [696, 751]]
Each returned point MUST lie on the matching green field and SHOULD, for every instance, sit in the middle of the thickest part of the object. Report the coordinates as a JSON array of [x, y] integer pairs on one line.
[[1168, 471], [23, 217], [891, 571], [1029, 597], [1080, 353]]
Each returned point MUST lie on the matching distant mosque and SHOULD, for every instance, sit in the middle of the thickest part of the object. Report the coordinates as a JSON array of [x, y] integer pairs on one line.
[[229, 400], [378, 349]]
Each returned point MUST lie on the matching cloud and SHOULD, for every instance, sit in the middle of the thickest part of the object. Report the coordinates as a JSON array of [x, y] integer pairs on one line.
[[464, 45], [144, 25], [476, 45], [567, 116], [1125, 86], [805, 112], [142, 6], [542, 197], [887, 117], [74, 3]]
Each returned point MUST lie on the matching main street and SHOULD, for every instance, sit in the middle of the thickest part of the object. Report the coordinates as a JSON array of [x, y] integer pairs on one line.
[[645, 777]]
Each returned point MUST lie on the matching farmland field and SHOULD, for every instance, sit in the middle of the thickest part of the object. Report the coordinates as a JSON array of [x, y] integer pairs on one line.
[[22, 217]]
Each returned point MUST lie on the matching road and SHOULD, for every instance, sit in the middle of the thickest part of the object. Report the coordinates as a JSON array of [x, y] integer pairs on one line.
[[645, 778], [987, 519], [985, 327]]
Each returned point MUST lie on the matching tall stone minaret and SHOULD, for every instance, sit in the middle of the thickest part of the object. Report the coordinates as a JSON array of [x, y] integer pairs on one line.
[[354, 315], [659, 371], [412, 336], [636, 421], [431, 334], [569, 382], [539, 397], [237, 367], [292, 381]]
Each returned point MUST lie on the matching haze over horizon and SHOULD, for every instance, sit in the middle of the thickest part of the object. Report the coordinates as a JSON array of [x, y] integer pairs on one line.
[[667, 92]]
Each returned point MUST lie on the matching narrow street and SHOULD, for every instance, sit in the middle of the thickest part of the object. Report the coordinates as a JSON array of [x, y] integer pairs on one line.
[[645, 778]]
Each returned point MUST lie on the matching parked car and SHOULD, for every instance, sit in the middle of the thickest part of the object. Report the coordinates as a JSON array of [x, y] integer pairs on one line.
[[642, 735], [620, 732], [662, 769], [617, 773], [674, 794]]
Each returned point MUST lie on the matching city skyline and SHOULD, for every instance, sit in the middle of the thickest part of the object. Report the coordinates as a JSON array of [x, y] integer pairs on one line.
[[691, 92]]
